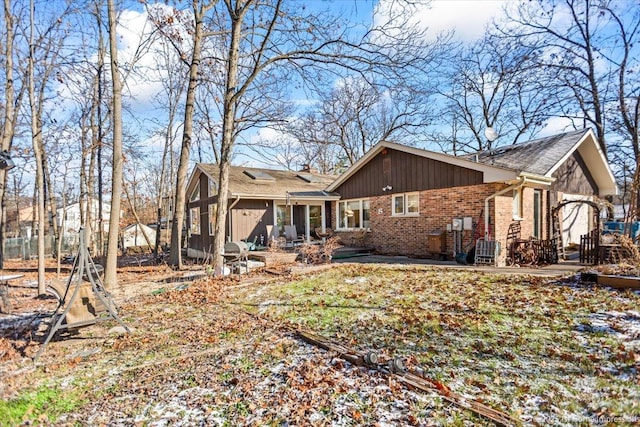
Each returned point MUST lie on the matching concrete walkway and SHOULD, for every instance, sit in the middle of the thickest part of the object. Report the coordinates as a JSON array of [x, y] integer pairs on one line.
[[564, 268]]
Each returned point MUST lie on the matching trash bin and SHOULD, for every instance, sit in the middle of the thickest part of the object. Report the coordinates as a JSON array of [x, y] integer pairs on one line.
[[436, 244]]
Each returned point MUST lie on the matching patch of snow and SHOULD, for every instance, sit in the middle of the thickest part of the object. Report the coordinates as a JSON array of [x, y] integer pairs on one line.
[[356, 280]]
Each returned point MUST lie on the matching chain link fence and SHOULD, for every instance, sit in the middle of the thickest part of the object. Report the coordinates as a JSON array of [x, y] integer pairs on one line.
[[26, 248]]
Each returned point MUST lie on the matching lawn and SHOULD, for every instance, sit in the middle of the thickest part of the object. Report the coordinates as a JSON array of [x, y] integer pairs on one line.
[[222, 353]]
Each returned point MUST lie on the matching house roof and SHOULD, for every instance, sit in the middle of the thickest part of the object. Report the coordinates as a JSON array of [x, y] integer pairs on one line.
[[260, 183], [490, 173], [543, 156], [537, 159]]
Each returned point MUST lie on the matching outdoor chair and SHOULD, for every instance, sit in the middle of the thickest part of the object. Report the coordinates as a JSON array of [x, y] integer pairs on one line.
[[291, 234], [323, 234]]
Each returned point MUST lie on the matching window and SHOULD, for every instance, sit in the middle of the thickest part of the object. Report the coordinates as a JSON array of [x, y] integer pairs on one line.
[[353, 214], [194, 220], [213, 209], [517, 204], [195, 194], [537, 214], [315, 217], [283, 217], [407, 204], [213, 188]]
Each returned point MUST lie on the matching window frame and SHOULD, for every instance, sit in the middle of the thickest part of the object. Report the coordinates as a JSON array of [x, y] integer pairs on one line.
[[195, 194], [364, 214], [194, 220], [537, 213], [516, 205], [405, 204], [213, 187]]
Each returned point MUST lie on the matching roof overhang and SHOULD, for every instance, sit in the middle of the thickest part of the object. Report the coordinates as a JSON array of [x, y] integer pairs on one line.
[[489, 173], [194, 176], [292, 196], [590, 151]]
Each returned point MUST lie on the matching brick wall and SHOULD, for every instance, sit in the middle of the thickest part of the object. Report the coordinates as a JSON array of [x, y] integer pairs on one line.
[[408, 235]]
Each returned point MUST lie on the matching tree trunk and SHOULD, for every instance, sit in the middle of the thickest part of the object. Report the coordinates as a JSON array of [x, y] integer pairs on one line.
[[36, 139], [228, 125], [175, 254], [8, 128], [116, 191]]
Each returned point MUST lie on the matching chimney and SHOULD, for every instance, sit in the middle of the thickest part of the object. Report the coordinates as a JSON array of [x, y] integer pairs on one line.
[[307, 168]]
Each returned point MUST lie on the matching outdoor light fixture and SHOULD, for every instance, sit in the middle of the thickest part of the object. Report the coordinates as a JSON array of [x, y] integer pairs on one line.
[[387, 188], [5, 161]]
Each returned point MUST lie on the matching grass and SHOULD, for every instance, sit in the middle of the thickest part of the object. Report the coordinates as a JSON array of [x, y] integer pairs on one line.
[[513, 336], [519, 344], [44, 404]]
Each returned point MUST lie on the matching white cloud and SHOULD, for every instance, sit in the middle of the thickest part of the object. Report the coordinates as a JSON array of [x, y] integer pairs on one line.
[[466, 17], [556, 125]]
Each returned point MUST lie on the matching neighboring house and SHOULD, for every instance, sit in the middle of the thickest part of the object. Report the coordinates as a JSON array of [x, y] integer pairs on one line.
[[138, 236], [402, 194], [257, 198], [69, 218]]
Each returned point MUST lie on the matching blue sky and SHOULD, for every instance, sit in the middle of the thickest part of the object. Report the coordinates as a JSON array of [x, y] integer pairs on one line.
[[467, 18]]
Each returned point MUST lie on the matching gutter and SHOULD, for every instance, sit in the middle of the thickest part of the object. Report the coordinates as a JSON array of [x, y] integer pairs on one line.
[[520, 183]]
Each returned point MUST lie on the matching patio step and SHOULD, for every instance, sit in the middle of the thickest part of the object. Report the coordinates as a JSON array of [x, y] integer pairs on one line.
[[348, 252]]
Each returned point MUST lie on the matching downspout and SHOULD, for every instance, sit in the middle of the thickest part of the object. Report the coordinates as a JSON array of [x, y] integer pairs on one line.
[[235, 202], [512, 187]]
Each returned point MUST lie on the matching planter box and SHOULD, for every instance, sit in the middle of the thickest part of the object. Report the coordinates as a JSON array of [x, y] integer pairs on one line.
[[619, 282], [271, 259]]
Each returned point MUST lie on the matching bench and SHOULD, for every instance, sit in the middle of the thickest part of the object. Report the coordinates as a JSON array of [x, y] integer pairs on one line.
[[5, 303]]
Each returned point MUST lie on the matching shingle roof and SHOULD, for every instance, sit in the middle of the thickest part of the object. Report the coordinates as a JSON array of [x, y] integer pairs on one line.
[[538, 156], [262, 182]]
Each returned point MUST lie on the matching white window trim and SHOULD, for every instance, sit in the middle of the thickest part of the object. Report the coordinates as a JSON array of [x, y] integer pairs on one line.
[[516, 205], [212, 214], [338, 228], [194, 225], [405, 197], [212, 190], [195, 194]]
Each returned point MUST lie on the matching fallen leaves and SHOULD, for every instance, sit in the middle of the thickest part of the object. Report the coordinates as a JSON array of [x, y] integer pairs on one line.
[[510, 342]]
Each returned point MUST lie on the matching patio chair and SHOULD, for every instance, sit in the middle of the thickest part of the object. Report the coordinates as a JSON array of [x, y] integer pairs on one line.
[[291, 234], [323, 234], [272, 233]]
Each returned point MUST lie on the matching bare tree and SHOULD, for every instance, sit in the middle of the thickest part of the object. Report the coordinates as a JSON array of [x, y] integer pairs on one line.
[[174, 87], [165, 24], [116, 172], [48, 43], [264, 39], [565, 38], [588, 53], [350, 118], [12, 99], [627, 122], [493, 83]]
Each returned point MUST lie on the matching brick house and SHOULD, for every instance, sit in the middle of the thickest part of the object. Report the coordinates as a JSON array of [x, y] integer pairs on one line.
[[400, 194]]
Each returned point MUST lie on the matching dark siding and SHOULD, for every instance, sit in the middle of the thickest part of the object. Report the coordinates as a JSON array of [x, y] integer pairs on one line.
[[405, 172], [249, 219], [574, 177], [200, 241]]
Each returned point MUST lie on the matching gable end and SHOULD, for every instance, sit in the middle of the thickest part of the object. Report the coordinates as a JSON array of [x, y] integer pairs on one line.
[[405, 172]]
